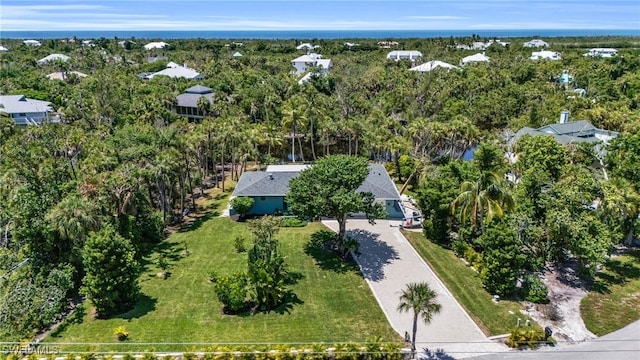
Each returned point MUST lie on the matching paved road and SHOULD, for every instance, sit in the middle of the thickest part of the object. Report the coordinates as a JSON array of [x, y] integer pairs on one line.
[[388, 262], [623, 344]]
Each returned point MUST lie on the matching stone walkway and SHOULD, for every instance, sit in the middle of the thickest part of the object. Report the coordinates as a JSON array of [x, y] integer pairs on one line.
[[388, 263]]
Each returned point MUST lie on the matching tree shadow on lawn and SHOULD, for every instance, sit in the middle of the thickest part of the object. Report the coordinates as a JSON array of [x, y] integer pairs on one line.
[[374, 254], [145, 305], [329, 260], [619, 273], [77, 317], [171, 252], [197, 222]]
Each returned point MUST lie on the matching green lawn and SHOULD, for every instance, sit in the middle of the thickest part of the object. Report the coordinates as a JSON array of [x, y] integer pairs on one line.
[[334, 303], [465, 285], [614, 301]]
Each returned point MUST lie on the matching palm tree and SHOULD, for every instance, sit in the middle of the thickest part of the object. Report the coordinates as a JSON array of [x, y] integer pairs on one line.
[[74, 217], [294, 115], [479, 201], [421, 299]]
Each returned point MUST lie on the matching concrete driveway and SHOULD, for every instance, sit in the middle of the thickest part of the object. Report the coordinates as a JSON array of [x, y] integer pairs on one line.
[[388, 263]]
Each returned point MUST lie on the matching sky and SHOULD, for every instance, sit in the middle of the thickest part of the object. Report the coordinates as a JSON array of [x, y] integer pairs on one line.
[[131, 15]]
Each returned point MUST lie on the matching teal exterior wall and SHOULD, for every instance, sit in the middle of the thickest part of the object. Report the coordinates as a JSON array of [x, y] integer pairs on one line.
[[394, 210], [265, 205]]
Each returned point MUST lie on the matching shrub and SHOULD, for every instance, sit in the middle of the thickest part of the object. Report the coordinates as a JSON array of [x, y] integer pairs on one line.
[[232, 292], [242, 204], [213, 276], [238, 244], [534, 290], [293, 222], [121, 333], [528, 336]]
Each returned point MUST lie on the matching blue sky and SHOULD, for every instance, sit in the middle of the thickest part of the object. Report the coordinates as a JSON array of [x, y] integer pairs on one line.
[[318, 14]]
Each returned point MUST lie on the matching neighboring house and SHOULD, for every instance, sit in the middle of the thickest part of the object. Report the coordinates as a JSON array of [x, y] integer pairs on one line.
[[269, 188], [155, 45], [26, 111], [545, 54], [53, 57], [174, 70], [535, 43], [602, 52], [307, 46], [152, 59], [88, 43], [32, 42], [3, 49], [475, 58], [237, 54], [476, 45], [387, 44], [302, 63], [350, 44], [123, 43], [397, 55], [498, 42], [187, 103], [567, 132], [64, 75], [432, 65]]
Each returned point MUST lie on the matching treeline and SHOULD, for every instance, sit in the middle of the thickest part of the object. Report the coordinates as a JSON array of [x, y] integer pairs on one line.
[[122, 165]]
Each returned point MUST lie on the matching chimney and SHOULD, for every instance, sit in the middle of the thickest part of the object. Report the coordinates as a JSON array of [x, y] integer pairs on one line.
[[564, 116]]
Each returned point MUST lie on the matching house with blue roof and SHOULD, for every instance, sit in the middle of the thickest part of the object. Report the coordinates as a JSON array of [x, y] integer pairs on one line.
[[269, 189]]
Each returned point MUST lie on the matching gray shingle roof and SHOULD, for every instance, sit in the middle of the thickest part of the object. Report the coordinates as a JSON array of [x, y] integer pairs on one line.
[[15, 104], [259, 183], [572, 127], [198, 89], [191, 100]]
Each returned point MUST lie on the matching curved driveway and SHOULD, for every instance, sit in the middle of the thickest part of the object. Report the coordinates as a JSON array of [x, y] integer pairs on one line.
[[388, 263]]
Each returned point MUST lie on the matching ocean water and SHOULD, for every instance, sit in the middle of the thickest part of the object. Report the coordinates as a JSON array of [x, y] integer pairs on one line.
[[311, 34]]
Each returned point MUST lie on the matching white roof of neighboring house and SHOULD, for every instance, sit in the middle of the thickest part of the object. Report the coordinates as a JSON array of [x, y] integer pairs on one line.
[[237, 54], [60, 76], [350, 44], [155, 45], [178, 72], [479, 57], [305, 78], [53, 57], [307, 58], [397, 54], [535, 43], [32, 42], [16, 104], [286, 168], [3, 49], [545, 54], [324, 63], [307, 46], [431, 65], [603, 52], [172, 65]]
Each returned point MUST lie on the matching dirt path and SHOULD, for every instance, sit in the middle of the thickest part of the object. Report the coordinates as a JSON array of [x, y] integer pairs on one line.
[[562, 314]]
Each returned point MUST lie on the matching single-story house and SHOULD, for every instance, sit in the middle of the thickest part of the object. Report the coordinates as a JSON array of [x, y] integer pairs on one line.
[[567, 132], [269, 188], [187, 103], [155, 45], [53, 57], [535, 43], [26, 111], [602, 52], [545, 54], [432, 65], [475, 58], [302, 63], [174, 70], [3, 49], [64, 75], [307, 46], [32, 42], [397, 55]]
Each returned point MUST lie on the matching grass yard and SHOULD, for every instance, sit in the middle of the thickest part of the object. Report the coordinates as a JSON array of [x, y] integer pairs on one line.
[[334, 303], [614, 300], [464, 283]]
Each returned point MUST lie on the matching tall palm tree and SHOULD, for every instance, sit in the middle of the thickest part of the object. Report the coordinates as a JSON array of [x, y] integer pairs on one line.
[[294, 115], [482, 200], [421, 299], [74, 217]]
